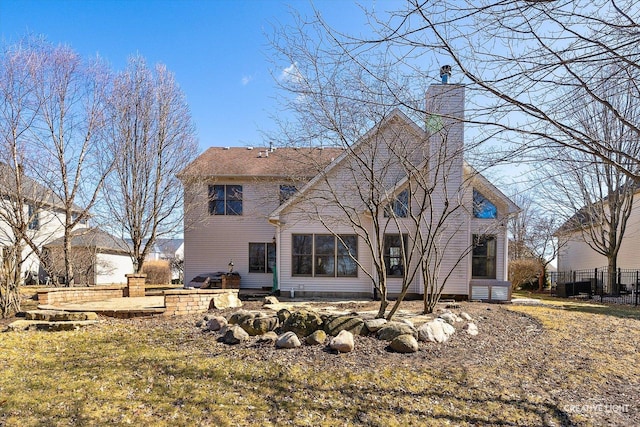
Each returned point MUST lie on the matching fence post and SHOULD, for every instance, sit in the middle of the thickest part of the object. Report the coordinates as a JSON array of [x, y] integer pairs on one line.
[[637, 285]]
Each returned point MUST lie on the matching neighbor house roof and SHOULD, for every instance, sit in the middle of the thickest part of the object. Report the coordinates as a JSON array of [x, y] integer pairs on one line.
[[32, 191], [260, 162], [93, 238]]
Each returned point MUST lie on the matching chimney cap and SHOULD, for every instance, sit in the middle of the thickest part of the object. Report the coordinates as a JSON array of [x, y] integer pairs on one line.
[[445, 73]]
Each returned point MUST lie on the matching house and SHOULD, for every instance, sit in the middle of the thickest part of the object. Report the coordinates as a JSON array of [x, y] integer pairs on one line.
[[98, 258], [44, 212], [301, 214], [577, 254]]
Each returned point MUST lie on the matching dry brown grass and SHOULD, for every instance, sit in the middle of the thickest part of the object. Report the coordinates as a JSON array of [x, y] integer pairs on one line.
[[166, 372]]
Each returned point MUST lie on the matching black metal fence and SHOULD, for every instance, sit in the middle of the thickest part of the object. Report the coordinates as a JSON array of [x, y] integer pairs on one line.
[[619, 287]]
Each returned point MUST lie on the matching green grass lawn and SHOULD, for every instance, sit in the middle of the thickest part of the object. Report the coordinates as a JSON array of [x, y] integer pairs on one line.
[[137, 373]]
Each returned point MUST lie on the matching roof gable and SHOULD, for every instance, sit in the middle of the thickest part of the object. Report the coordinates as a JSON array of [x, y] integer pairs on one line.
[[396, 117]]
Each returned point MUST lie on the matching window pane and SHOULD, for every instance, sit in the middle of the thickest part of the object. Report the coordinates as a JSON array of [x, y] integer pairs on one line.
[[399, 207], [286, 191], [234, 192], [271, 257], [216, 192], [482, 207], [325, 255], [234, 207], [346, 256], [483, 264], [393, 254], [302, 254], [216, 207], [256, 257]]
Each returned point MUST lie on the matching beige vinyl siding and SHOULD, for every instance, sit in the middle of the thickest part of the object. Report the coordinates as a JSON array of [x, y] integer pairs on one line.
[[214, 240]]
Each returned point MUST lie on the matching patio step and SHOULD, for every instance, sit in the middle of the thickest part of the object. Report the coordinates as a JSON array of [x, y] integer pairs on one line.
[[45, 325]]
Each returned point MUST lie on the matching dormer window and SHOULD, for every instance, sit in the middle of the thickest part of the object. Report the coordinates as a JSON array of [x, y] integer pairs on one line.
[[482, 207]]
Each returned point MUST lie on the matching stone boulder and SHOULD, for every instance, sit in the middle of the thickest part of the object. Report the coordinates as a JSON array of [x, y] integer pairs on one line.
[[394, 329], [234, 335], [471, 328], [302, 322], [225, 300], [270, 300], [240, 316], [404, 344], [335, 324], [435, 331], [343, 342], [215, 323], [268, 338], [288, 340], [450, 317], [466, 316], [283, 314], [373, 325], [316, 338], [262, 325]]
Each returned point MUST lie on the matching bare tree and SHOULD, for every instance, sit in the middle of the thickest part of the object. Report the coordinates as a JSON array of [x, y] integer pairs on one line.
[[152, 137], [66, 134], [406, 185], [520, 58]]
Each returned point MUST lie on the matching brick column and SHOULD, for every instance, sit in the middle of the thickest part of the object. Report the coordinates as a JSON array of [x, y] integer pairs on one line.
[[135, 285]]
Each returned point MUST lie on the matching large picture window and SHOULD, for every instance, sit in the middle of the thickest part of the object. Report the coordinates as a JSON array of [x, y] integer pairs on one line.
[[484, 257], [262, 257], [393, 254], [225, 200], [324, 255]]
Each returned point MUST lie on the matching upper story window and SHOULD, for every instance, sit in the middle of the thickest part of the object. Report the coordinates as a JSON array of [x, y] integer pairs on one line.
[[399, 208], [225, 200], [395, 248], [484, 257], [34, 218], [324, 255], [286, 191], [482, 207]]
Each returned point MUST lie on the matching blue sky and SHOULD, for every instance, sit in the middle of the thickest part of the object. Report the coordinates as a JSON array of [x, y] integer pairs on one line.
[[216, 48]]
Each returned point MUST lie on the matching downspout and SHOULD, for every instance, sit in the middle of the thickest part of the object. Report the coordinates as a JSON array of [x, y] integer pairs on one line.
[[276, 224]]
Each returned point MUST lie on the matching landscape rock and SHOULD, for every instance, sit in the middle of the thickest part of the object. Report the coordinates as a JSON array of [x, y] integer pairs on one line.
[[240, 316], [394, 329], [270, 300], [288, 340], [283, 314], [216, 323], [225, 300], [353, 324], [471, 328], [234, 335], [373, 325], [404, 344], [316, 338], [302, 322], [449, 317], [435, 331], [343, 342], [60, 316], [268, 338], [466, 316], [261, 325], [408, 322]]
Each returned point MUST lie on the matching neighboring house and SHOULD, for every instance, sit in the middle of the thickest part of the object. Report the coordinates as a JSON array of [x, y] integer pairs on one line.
[[46, 218], [97, 257], [166, 249], [262, 208], [576, 254]]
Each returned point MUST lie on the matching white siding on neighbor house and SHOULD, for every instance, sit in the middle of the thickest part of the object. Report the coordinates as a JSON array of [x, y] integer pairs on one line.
[[578, 255], [112, 268], [215, 240]]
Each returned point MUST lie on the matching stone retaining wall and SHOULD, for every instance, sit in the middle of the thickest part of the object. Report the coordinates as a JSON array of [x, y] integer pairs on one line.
[[192, 301], [50, 296]]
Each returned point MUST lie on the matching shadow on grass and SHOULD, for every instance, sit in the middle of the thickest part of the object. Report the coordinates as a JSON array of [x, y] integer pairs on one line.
[[608, 310]]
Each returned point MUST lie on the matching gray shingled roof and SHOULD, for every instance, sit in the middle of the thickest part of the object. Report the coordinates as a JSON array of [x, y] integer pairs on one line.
[[93, 238], [260, 162]]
